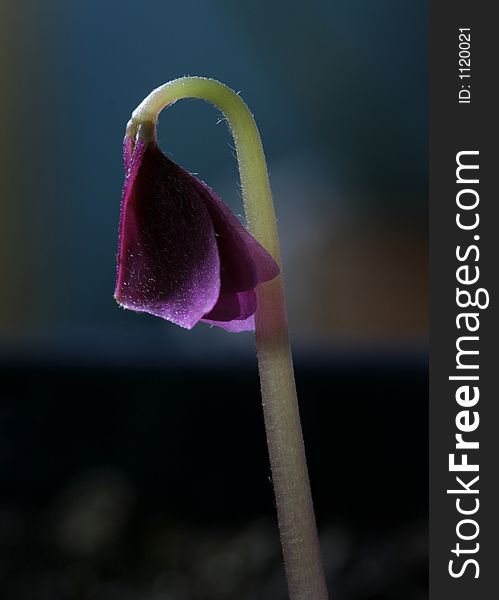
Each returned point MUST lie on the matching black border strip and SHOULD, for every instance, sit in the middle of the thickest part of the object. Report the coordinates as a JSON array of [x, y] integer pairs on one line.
[[457, 127]]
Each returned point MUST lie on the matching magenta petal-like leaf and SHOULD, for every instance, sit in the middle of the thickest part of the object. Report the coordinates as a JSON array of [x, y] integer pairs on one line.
[[168, 262], [236, 326], [183, 255], [233, 305], [265, 266]]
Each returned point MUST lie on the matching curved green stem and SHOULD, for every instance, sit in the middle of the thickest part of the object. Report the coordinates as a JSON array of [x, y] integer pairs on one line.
[[295, 512]]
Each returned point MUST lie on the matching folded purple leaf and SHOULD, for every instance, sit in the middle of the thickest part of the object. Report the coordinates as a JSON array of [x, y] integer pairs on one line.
[[183, 255]]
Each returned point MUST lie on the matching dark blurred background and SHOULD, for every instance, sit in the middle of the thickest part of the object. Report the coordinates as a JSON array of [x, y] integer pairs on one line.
[[132, 453]]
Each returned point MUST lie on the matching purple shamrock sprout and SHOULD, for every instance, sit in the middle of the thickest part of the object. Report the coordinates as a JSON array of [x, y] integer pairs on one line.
[[183, 255]]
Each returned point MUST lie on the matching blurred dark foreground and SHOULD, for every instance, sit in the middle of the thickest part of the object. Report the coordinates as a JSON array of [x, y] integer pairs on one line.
[[152, 483]]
